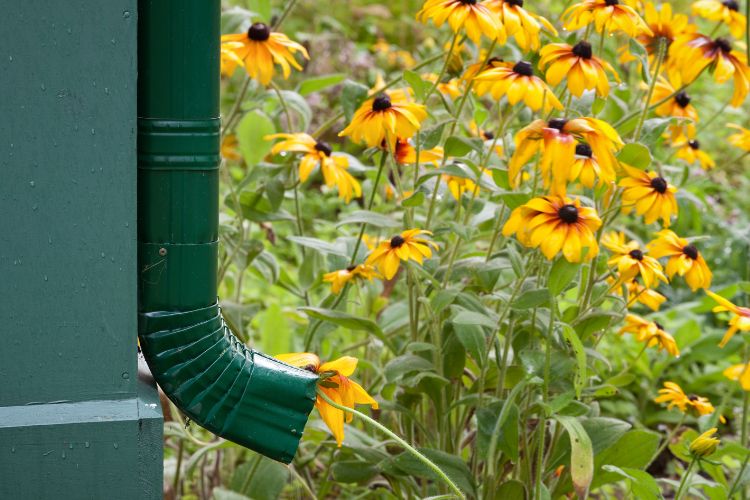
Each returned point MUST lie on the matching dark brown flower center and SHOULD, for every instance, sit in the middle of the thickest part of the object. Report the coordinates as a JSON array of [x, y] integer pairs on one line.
[[568, 213], [582, 49], [397, 241], [523, 68], [310, 368], [659, 184], [557, 123], [488, 136], [636, 254], [468, 2], [694, 144], [381, 103], [693, 397], [658, 325], [492, 60], [724, 45], [610, 3], [323, 147], [690, 251], [517, 3], [259, 32], [583, 149], [731, 5], [682, 99], [351, 268]]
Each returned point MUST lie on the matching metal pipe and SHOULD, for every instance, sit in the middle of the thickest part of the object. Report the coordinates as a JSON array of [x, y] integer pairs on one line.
[[222, 385]]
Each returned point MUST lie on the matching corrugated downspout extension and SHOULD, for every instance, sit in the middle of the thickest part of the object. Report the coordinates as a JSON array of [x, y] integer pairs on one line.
[[231, 390]]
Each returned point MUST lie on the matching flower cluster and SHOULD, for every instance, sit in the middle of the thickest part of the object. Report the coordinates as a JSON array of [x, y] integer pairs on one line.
[[554, 184]]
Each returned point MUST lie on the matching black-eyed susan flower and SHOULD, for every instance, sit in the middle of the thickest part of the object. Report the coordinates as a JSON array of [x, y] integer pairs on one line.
[[673, 395], [371, 241], [261, 49], [406, 154], [665, 27], [339, 278], [693, 52], [639, 294], [471, 16], [521, 24], [336, 384], [684, 259], [607, 15], [410, 244], [318, 153], [557, 141], [705, 444], [631, 261], [676, 104], [739, 373], [228, 58], [651, 333], [740, 320], [725, 11], [476, 68], [740, 139], [583, 70], [690, 151], [518, 83], [554, 223], [649, 195], [587, 170], [385, 117]]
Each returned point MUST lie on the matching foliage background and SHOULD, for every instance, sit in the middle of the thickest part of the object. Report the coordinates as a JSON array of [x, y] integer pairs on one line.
[[267, 276]]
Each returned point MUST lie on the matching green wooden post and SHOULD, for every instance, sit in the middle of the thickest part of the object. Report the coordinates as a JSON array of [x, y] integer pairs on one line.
[[75, 420]]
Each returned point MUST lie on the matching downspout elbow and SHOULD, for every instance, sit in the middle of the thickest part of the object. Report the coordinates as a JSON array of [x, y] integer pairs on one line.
[[221, 384]]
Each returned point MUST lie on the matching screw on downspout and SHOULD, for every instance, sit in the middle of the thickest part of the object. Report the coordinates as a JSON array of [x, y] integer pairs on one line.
[[162, 251]]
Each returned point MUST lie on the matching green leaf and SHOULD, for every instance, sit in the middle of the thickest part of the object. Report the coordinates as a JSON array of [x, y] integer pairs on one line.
[[571, 338], [634, 449], [642, 484], [653, 129], [353, 471], [274, 191], [316, 84], [342, 319], [250, 132], [268, 479], [370, 218], [473, 339], [352, 95], [471, 318], [415, 82], [453, 466], [561, 275], [508, 439], [431, 136], [319, 245], [461, 146], [581, 455], [220, 493], [531, 298], [408, 363], [635, 155], [296, 103], [512, 489], [415, 200]]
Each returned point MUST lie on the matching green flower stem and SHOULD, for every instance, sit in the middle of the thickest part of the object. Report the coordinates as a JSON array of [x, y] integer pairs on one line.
[[399, 440], [235, 111], [448, 55], [659, 59], [668, 439], [381, 167], [287, 9], [736, 481], [545, 398], [684, 480]]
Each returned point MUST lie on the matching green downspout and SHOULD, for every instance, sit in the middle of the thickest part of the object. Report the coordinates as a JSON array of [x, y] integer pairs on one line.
[[231, 390]]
